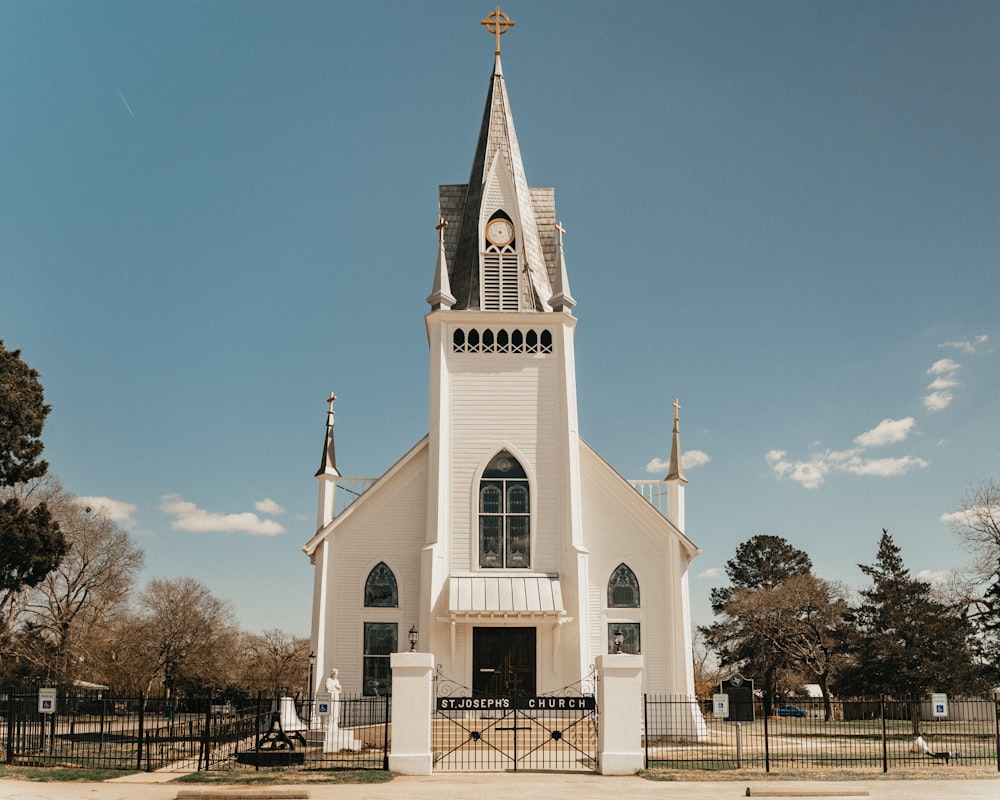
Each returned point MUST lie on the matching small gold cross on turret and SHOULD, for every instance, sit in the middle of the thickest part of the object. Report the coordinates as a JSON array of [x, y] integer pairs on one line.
[[442, 224], [560, 230], [497, 23], [677, 407]]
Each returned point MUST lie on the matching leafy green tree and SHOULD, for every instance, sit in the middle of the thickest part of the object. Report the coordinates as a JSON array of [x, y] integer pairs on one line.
[[744, 635], [904, 643], [31, 543], [761, 562]]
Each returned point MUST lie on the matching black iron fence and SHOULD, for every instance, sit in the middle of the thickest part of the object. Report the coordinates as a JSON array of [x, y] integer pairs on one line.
[[684, 733], [145, 733]]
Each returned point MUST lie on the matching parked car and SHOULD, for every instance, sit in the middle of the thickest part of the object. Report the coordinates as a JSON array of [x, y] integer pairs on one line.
[[791, 710]]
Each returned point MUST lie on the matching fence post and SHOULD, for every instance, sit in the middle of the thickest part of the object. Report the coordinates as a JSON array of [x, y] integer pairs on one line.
[[645, 731], [996, 709], [619, 729], [10, 726], [412, 694], [767, 742], [142, 714], [386, 716], [885, 743], [206, 734]]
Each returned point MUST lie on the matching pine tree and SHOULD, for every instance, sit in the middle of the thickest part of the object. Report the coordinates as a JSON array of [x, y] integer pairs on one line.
[[31, 543], [904, 643]]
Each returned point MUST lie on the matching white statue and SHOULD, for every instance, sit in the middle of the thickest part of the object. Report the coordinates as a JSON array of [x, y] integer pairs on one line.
[[335, 738]]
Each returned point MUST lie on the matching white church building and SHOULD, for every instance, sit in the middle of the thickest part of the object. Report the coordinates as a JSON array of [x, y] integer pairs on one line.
[[501, 542]]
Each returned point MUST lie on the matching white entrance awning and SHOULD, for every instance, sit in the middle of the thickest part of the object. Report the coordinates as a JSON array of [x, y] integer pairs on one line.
[[505, 596]]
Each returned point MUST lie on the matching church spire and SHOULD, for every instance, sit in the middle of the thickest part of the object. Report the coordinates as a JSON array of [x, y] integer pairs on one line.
[[328, 466], [497, 192], [562, 300], [676, 472], [441, 296]]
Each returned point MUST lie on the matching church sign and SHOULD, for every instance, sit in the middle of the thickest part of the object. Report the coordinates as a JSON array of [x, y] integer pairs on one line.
[[584, 703]]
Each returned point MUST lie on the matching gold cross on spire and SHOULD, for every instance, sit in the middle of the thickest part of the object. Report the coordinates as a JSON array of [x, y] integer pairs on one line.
[[497, 23], [677, 407], [560, 230], [442, 224], [330, 400]]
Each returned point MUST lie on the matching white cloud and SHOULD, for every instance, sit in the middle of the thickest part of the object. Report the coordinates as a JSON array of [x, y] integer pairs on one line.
[[885, 467], [713, 572], [811, 474], [689, 458], [934, 576], [942, 366], [268, 506], [942, 383], [116, 510], [657, 465], [188, 517], [886, 432], [977, 344], [937, 401], [695, 458], [965, 347], [970, 516]]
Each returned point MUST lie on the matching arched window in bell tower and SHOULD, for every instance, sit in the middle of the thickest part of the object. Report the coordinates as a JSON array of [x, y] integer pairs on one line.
[[504, 515], [500, 282]]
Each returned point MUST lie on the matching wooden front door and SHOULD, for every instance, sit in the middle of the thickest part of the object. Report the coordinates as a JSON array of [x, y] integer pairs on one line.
[[503, 661]]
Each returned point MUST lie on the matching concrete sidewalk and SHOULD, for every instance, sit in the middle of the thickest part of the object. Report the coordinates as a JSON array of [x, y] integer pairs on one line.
[[517, 786]]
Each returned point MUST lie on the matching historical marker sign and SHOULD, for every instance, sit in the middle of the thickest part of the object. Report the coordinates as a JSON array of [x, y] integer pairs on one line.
[[740, 691]]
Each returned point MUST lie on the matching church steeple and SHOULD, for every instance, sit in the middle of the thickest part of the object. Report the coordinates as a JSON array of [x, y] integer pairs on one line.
[[328, 466], [441, 296], [676, 472], [498, 260], [562, 300]]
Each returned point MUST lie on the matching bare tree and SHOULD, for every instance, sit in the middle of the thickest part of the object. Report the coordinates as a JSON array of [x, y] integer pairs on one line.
[[73, 603], [274, 662], [976, 523], [183, 638]]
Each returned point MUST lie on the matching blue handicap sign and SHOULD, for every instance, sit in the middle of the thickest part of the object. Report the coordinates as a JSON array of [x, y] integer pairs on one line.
[[46, 704], [324, 708]]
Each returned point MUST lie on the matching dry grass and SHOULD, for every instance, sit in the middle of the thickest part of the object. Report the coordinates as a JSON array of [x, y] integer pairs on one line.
[[932, 772]]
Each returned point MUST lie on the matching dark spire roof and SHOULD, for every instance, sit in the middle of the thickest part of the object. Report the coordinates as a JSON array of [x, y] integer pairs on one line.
[[676, 472], [328, 466], [497, 181]]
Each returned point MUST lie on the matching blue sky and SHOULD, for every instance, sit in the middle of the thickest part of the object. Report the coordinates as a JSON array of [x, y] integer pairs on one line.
[[787, 214]]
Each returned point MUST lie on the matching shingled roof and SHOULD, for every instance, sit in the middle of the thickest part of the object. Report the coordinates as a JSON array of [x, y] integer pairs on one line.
[[497, 170]]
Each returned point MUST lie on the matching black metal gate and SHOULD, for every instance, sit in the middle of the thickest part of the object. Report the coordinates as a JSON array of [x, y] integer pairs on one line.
[[482, 733]]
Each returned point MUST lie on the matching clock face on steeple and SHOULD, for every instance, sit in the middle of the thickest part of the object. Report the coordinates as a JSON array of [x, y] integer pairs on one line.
[[500, 232]]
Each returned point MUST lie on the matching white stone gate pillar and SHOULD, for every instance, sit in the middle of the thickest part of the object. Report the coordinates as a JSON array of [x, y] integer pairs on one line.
[[619, 703], [412, 695]]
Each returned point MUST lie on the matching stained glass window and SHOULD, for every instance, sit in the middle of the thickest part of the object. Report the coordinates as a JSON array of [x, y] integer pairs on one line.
[[623, 588], [380, 588], [504, 515]]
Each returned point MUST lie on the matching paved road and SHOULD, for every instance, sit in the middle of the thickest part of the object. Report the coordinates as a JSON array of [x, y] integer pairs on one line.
[[527, 786]]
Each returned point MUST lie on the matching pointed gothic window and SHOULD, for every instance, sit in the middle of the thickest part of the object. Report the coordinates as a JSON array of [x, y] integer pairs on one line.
[[504, 515], [380, 588], [623, 588]]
